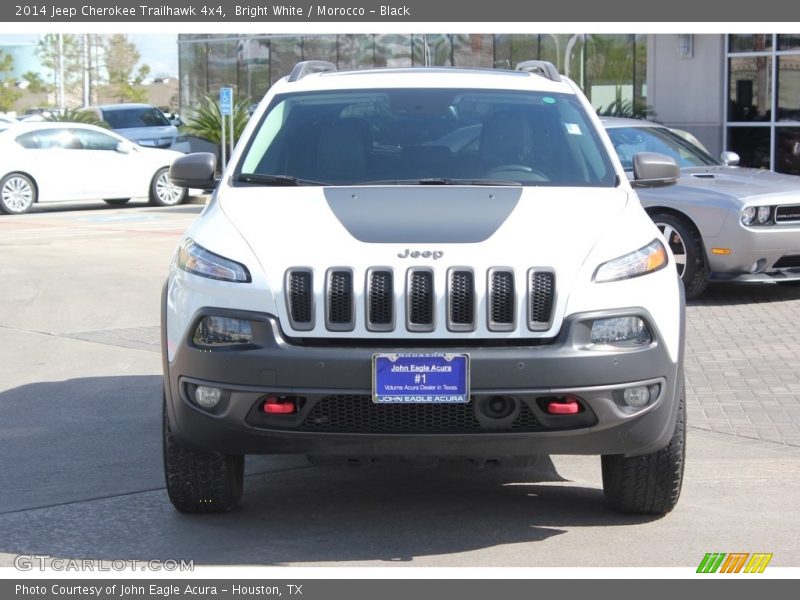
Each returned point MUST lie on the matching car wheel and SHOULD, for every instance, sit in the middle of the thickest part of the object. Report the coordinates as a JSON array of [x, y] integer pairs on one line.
[[200, 482], [17, 194], [687, 247], [649, 484], [163, 192], [116, 201]]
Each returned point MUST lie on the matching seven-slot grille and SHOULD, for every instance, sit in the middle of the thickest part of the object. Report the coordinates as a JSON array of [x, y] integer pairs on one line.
[[380, 307]]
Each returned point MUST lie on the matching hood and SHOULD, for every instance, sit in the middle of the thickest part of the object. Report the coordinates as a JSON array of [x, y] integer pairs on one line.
[[742, 183], [403, 226]]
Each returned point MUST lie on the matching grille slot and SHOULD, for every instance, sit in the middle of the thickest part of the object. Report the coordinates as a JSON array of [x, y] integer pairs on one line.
[[787, 214], [358, 414], [380, 300], [461, 301], [541, 291], [339, 294], [787, 262], [300, 298], [420, 298], [502, 300]]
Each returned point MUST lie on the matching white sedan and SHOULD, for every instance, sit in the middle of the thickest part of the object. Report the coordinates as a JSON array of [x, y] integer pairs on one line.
[[55, 161]]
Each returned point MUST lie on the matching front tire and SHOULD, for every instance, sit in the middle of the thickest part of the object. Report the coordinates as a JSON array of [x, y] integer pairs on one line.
[[200, 482], [163, 192], [649, 484], [687, 246], [17, 194]]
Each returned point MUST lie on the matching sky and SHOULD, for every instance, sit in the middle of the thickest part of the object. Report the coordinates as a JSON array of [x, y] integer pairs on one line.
[[159, 51]]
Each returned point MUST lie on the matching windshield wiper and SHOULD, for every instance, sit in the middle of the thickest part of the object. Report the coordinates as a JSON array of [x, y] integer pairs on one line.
[[265, 179], [442, 181]]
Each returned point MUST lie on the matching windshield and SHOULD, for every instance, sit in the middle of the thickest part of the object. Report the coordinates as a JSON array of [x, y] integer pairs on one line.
[[631, 140], [126, 118], [425, 136]]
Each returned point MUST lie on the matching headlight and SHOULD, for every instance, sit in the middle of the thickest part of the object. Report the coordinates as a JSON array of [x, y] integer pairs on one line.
[[623, 332], [640, 262], [195, 259], [756, 215]]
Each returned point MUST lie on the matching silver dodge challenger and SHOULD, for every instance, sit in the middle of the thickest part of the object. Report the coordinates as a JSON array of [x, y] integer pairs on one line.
[[722, 222]]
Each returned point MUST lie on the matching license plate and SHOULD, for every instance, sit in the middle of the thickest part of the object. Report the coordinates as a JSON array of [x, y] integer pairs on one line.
[[420, 378]]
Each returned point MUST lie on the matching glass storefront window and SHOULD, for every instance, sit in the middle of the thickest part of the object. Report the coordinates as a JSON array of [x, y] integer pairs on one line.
[[787, 150], [193, 67], [750, 42], [320, 47], [472, 50], [750, 93], [609, 71], [393, 50], [252, 59], [285, 53], [430, 50], [356, 51], [789, 88], [222, 65], [789, 41], [751, 144]]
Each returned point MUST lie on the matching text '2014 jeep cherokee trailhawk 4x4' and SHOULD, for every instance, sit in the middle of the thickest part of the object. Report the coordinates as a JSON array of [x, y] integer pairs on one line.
[[423, 262]]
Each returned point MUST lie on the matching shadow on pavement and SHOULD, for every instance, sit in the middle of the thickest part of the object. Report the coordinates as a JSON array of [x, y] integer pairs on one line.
[[82, 479], [733, 294]]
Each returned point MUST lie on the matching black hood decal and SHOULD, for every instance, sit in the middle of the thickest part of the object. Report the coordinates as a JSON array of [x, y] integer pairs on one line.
[[424, 214]]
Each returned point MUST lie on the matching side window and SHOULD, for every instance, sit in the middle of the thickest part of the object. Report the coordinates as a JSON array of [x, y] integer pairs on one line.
[[95, 140], [29, 140], [51, 138]]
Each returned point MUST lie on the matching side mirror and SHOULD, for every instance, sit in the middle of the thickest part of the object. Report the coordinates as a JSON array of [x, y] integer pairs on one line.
[[124, 148], [176, 120], [194, 170], [729, 159], [651, 169]]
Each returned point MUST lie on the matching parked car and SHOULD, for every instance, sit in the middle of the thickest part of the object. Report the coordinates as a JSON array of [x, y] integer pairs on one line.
[[6, 122], [142, 123], [723, 222], [52, 161], [355, 291]]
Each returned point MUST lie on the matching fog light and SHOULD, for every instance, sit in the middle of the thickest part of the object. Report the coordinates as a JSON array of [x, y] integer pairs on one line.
[[207, 397], [621, 331], [636, 397], [222, 331]]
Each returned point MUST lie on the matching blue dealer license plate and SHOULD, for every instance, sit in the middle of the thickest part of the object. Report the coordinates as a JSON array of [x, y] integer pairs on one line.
[[420, 378]]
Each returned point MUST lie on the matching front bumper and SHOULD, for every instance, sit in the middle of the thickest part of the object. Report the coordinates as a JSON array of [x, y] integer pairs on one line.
[[762, 253], [331, 379]]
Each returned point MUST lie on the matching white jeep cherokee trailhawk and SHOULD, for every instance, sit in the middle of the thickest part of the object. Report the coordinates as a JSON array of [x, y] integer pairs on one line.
[[423, 262]]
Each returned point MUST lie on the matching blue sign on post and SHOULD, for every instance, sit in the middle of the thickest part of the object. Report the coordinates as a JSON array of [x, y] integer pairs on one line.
[[225, 100]]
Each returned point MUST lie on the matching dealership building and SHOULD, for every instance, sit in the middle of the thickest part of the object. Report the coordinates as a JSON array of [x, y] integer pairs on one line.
[[738, 92]]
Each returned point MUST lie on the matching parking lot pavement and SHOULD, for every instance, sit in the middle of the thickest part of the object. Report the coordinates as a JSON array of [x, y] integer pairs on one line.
[[80, 466], [742, 358]]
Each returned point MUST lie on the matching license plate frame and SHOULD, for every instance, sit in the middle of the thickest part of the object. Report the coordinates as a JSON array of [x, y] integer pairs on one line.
[[421, 378]]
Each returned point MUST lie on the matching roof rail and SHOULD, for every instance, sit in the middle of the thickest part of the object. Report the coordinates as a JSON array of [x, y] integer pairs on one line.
[[539, 67], [307, 67]]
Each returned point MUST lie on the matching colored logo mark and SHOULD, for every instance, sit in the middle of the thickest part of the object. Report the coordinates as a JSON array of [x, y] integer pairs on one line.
[[734, 562]]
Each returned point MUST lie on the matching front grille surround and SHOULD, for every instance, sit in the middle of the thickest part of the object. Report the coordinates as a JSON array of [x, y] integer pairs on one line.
[[339, 299], [501, 299], [541, 298], [380, 301], [420, 300], [299, 291], [461, 300]]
